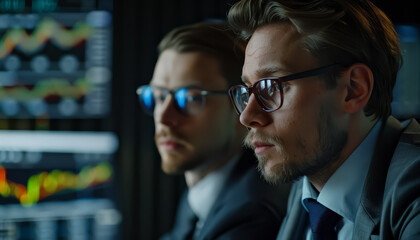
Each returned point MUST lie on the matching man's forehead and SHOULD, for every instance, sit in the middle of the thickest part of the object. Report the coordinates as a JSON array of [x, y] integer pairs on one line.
[[275, 50], [195, 68]]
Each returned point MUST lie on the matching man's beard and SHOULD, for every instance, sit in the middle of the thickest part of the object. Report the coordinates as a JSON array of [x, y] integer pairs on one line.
[[176, 162], [331, 143]]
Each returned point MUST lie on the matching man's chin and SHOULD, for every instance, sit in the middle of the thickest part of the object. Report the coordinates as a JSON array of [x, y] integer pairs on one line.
[[277, 173], [172, 169], [177, 165]]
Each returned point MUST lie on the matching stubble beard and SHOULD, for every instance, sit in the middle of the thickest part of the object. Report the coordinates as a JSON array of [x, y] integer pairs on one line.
[[171, 166], [176, 162], [331, 143]]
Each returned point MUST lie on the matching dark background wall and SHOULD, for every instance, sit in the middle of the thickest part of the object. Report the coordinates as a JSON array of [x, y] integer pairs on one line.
[[148, 197]]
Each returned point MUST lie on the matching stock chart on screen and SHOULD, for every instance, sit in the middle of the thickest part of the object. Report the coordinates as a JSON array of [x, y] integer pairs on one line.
[[55, 64], [58, 185]]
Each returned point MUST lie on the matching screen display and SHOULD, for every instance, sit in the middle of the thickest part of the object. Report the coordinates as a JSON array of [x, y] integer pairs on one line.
[[55, 59], [58, 185], [56, 63]]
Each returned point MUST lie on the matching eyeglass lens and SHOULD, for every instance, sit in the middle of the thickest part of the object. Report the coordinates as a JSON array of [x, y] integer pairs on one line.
[[188, 101], [267, 91]]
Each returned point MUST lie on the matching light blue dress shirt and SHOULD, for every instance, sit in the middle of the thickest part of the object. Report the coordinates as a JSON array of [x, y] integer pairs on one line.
[[204, 194], [343, 189]]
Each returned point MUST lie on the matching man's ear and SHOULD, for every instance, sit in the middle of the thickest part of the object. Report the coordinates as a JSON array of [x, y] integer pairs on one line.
[[359, 84]]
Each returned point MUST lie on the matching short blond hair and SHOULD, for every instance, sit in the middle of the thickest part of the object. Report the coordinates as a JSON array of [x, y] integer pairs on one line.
[[214, 38]]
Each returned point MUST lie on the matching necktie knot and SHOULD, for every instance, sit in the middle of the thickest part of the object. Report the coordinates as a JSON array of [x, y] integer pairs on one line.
[[322, 220]]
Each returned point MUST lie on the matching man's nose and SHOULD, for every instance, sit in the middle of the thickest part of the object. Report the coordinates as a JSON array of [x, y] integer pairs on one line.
[[167, 113], [253, 115]]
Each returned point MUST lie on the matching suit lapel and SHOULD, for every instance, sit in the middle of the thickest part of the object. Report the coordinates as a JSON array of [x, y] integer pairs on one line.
[[243, 164], [411, 133], [186, 220], [368, 214]]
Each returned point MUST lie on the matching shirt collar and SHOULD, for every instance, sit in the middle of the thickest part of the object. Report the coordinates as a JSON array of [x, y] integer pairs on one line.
[[344, 188], [203, 195]]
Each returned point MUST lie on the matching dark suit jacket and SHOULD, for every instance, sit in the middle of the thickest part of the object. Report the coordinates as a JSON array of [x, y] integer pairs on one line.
[[390, 202], [247, 208]]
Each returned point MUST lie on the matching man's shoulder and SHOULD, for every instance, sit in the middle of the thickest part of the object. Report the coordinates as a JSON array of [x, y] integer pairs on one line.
[[411, 133], [407, 152], [404, 167], [401, 208]]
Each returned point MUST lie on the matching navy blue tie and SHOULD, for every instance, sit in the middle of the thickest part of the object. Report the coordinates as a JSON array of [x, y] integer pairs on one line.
[[322, 219]]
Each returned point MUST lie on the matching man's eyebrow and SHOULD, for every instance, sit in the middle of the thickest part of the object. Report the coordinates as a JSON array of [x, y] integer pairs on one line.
[[264, 72], [268, 71]]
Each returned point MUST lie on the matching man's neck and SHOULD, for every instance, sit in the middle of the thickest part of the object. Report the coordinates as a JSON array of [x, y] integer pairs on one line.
[[358, 131], [192, 177], [217, 161]]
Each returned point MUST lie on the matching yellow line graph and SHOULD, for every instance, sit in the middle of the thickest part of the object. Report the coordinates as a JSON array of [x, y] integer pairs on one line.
[[46, 184], [47, 30], [58, 87]]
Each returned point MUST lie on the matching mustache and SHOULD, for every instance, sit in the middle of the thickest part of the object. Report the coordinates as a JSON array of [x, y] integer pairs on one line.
[[169, 135], [253, 136]]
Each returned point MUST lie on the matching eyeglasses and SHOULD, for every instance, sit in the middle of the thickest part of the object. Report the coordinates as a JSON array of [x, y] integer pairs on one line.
[[188, 100], [269, 91]]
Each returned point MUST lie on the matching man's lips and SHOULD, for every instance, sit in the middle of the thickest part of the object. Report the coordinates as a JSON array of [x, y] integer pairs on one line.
[[261, 147], [170, 144]]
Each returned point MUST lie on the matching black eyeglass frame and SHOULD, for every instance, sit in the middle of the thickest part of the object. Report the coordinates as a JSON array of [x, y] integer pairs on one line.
[[279, 80], [166, 91]]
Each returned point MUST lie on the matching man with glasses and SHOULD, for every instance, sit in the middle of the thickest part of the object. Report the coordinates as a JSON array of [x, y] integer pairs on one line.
[[198, 134], [316, 97]]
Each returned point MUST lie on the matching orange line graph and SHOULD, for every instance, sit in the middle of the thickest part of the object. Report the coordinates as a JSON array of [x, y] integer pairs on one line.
[[46, 184], [45, 88]]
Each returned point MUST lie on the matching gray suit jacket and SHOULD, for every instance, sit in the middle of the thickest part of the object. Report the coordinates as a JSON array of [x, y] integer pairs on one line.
[[390, 202]]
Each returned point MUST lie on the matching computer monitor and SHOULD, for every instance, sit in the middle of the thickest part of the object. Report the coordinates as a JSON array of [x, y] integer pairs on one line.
[[55, 58], [58, 185]]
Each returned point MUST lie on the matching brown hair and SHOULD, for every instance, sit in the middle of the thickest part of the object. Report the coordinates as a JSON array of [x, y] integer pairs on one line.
[[214, 38], [335, 31]]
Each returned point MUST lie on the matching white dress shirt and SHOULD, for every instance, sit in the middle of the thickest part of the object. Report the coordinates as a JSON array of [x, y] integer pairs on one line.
[[204, 194]]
